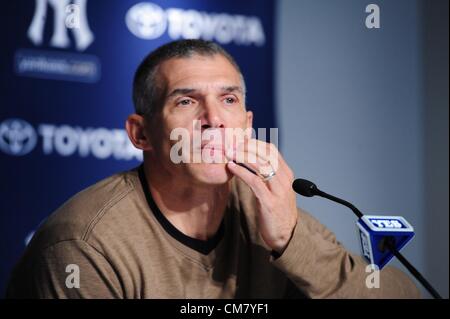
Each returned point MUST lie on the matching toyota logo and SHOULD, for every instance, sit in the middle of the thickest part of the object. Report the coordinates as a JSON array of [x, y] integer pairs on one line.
[[146, 20], [17, 137]]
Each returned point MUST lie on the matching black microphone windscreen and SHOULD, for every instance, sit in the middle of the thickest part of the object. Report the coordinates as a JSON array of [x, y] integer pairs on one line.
[[304, 187]]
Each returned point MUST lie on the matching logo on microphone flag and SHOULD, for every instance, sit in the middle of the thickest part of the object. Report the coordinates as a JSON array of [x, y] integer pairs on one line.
[[373, 229]]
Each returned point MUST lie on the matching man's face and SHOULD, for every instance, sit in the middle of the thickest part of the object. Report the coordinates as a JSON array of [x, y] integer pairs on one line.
[[206, 90]]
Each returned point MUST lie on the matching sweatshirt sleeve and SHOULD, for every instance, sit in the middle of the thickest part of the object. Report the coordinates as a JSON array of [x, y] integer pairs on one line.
[[68, 269], [321, 267]]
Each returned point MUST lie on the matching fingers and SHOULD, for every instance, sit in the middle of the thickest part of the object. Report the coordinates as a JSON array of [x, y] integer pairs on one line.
[[254, 154], [250, 155], [271, 157], [262, 157], [262, 151], [253, 181]]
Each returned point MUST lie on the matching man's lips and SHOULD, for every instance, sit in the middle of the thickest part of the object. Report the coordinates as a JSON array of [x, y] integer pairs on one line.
[[212, 147], [215, 150]]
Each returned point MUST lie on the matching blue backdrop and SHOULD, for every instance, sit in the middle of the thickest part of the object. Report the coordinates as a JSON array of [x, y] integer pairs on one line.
[[65, 91]]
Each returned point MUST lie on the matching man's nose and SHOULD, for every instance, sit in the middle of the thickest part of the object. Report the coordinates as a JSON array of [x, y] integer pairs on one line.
[[211, 116]]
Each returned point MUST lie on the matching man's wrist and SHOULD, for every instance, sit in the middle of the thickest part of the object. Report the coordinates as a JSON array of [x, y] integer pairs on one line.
[[279, 249]]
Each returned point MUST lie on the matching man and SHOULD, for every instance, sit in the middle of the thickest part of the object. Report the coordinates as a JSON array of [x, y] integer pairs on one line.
[[186, 229]]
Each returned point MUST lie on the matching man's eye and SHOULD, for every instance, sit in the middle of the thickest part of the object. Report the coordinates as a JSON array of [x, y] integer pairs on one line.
[[230, 100], [184, 102]]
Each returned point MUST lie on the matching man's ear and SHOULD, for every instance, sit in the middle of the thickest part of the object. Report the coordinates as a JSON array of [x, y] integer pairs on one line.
[[249, 119], [138, 135]]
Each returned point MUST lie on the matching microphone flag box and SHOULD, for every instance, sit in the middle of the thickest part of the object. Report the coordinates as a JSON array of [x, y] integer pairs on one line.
[[371, 231]]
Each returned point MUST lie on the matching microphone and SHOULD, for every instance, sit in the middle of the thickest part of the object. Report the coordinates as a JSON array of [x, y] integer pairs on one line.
[[381, 237], [305, 187], [309, 189]]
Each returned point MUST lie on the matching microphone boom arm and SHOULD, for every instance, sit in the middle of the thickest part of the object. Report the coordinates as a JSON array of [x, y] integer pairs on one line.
[[309, 189]]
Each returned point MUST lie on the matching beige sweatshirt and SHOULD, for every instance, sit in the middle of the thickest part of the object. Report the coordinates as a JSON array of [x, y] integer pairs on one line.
[[121, 250]]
